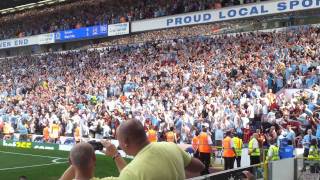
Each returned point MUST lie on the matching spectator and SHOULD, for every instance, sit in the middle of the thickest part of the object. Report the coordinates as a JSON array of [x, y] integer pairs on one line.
[[229, 152], [133, 141], [205, 144], [82, 159], [254, 150], [291, 135], [273, 152], [218, 136], [306, 142]]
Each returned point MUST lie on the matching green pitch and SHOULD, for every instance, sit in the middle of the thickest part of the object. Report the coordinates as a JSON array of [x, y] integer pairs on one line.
[[44, 164]]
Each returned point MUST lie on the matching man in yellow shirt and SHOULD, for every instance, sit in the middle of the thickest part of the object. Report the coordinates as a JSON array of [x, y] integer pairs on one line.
[[55, 131], [174, 162]]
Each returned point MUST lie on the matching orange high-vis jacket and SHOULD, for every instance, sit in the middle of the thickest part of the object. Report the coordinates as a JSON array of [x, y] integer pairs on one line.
[[195, 143], [46, 133], [227, 149], [204, 146], [152, 135], [170, 136]]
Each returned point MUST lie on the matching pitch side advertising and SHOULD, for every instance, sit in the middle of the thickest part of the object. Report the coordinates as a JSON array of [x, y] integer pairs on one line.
[[223, 14]]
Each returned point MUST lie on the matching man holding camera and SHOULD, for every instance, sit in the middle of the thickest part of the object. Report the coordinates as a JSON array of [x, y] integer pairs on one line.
[[174, 162]]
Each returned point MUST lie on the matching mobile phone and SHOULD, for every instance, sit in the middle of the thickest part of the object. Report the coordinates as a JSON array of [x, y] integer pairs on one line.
[[96, 145]]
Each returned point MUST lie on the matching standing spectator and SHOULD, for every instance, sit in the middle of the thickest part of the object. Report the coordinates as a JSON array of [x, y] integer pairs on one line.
[[54, 130], [273, 152], [76, 133], [254, 150], [314, 155], [317, 123], [261, 138], [307, 141], [291, 135], [152, 135], [195, 144], [171, 136], [238, 144], [23, 131], [229, 152], [46, 134], [205, 143], [218, 136], [69, 128]]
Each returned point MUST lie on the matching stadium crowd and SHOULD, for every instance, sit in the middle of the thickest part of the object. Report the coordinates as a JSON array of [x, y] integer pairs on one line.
[[221, 82], [95, 12]]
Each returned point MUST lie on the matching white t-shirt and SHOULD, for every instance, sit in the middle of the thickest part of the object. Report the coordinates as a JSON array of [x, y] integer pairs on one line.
[[255, 144], [219, 134], [251, 111], [265, 109]]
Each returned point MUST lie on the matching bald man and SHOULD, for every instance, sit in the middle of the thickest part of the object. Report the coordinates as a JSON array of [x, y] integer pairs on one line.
[[82, 161], [156, 161]]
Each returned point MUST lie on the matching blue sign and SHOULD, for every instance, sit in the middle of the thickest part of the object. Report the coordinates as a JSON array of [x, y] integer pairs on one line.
[[82, 33]]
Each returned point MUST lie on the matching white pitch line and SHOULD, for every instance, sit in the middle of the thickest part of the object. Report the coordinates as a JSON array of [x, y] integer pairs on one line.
[[32, 155], [22, 167], [54, 161]]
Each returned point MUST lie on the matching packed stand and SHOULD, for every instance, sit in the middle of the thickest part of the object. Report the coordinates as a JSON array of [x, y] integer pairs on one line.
[[96, 12], [222, 82]]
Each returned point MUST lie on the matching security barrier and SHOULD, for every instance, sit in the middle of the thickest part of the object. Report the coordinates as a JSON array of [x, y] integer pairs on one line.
[[234, 174]]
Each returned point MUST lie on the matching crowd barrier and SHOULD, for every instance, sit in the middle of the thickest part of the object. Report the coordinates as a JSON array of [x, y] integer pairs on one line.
[[284, 169], [235, 174]]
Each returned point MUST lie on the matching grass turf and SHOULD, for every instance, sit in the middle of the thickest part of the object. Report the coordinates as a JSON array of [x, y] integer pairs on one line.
[[14, 161]]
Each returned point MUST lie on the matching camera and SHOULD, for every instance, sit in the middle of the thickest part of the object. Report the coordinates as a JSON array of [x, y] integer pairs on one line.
[[96, 145]]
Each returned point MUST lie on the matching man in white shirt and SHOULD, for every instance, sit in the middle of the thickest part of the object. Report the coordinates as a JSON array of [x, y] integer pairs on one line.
[[69, 128], [218, 136]]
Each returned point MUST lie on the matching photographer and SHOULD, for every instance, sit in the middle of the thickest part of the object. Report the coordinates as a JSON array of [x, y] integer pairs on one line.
[[134, 142], [174, 162]]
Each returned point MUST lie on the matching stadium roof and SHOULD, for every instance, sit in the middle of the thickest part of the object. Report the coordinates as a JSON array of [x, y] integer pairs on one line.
[[11, 6]]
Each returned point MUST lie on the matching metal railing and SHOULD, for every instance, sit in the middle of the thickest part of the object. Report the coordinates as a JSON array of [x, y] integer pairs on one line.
[[302, 169], [307, 169], [235, 174]]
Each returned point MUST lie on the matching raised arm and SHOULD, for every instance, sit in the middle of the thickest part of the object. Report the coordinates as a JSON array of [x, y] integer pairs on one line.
[[69, 174], [111, 151]]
